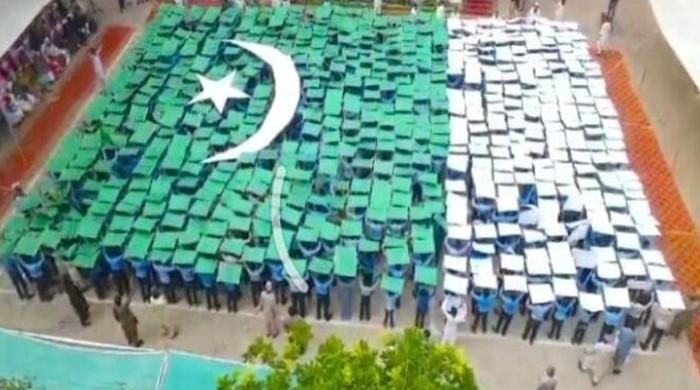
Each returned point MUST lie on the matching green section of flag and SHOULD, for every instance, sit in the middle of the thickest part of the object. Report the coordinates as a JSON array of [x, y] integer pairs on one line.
[[371, 123]]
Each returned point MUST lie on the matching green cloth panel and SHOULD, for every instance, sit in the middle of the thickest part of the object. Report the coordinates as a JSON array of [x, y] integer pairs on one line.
[[392, 284], [398, 255], [426, 275], [138, 246], [184, 257], [345, 261], [229, 273], [253, 254], [321, 266], [205, 266]]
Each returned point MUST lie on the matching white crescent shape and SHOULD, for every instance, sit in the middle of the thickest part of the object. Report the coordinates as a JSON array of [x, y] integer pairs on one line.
[[284, 104]]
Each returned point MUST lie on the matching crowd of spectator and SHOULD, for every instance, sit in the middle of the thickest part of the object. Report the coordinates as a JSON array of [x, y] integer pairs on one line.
[[40, 55]]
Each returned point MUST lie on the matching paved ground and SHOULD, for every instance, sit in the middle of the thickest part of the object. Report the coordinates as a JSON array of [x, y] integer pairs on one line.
[[501, 363]]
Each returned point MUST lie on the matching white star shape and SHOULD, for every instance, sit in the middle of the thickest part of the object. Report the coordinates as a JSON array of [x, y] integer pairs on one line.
[[218, 91]]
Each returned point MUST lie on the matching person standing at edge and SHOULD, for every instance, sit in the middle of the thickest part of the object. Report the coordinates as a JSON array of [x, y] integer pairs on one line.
[[368, 283], [612, 8], [661, 319], [268, 307], [626, 339], [548, 381], [77, 300], [15, 272], [123, 314], [98, 67]]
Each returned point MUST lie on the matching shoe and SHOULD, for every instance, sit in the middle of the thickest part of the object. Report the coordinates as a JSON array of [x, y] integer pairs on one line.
[[139, 343], [617, 371]]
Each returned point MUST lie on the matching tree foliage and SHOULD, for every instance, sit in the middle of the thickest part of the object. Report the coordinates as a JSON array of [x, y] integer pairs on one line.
[[407, 361], [15, 384]]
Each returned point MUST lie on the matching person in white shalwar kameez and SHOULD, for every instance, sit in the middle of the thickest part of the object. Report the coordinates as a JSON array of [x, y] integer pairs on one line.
[[603, 37], [597, 361], [454, 316], [559, 11]]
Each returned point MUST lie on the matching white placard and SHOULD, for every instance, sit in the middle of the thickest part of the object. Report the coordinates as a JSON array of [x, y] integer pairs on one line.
[[541, 293], [564, 287], [617, 297], [515, 283], [670, 299], [591, 302], [456, 284], [456, 263]]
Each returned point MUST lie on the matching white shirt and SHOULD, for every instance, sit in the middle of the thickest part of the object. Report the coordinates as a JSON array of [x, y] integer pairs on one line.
[[661, 317], [97, 66]]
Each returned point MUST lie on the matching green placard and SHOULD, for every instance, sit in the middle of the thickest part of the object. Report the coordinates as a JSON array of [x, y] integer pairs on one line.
[[426, 275], [321, 266], [345, 260], [392, 284], [229, 273]]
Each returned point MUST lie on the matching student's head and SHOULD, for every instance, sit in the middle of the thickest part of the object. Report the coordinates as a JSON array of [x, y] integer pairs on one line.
[[551, 371], [268, 286], [156, 293]]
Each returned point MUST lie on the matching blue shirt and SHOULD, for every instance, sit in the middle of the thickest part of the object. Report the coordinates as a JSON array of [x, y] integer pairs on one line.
[[563, 309], [538, 312], [187, 273], [423, 301], [625, 341], [276, 271], [484, 300], [322, 287], [116, 262], [141, 268], [208, 280], [35, 268], [12, 266], [614, 318], [163, 272], [511, 302]]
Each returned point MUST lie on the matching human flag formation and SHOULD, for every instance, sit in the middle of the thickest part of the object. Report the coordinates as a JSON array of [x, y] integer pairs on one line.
[[323, 141]]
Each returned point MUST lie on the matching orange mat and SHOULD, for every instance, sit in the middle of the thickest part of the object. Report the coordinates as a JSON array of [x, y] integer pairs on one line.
[[679, 242], [42, 134]]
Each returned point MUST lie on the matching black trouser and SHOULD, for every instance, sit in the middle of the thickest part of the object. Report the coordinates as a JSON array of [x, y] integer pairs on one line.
[[654, 334], [323, 303], [531, 329], [484, 319], [84, 316], [612, 7], [579, 332], [280, 292], [122, 5], [42, 288], [503, 320], [145, 286], [389, 318], [121, 281], [21, 286], [191, 293], [232, 296], [212, 298], [299, 303], [555, 330], [632, 322], [169, 291], [605, 330], [365, 307], [420, 318], [255, 289]]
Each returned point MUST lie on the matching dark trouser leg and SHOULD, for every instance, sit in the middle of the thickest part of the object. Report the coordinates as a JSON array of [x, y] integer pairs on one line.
[[528, 325], [604, 331], [501, 319], [319, 303], [144, 286], [255, 288], [391, 318], [191, 293], [509, 318], [326, 307], [232, 300], [484, 321], [170, 293], [580, 332], [299, 303], [120, 280], [420, 319], [43, 288], [386, 317], [84, 315], [212, 298], [20, 286], [555, 330], [654, 335], [475, 323], [535, 329]]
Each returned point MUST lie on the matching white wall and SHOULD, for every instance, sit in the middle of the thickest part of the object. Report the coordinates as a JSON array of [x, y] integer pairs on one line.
[[15, 16]]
